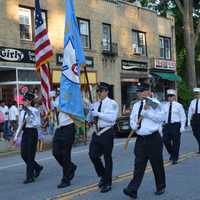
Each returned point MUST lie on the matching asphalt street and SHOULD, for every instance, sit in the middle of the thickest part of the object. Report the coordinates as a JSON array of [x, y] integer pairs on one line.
[[182, 179]]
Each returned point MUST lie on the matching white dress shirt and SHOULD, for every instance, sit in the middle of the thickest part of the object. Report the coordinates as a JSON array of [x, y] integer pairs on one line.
[[177, 113], [192, 109], [32, 120], [151, 122], [108, 114], [13, 113], [64, 119], [5, 112]]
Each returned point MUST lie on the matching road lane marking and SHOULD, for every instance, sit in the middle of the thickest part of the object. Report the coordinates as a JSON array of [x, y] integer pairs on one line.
[[51, 157], [93, 187]]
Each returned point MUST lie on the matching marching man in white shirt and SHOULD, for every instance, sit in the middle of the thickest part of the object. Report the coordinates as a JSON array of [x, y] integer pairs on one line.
[[175, 120], [29, 121], [194, 116], [146, 120], [105, 112], [62, 146]]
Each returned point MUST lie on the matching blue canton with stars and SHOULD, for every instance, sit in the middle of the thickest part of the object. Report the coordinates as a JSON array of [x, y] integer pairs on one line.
[[38, 14]]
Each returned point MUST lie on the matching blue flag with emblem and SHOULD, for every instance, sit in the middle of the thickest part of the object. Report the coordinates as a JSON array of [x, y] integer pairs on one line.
[[71, 101]]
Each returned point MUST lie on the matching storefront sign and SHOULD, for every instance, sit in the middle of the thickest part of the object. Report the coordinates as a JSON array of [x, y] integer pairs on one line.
[[89, 60], [134, 66], [8, 54], [165, 64]]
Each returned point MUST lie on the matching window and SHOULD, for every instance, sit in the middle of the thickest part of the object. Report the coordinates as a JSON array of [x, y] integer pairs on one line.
[[84, 27], [25, 24], [165, 48], [139, 43], [106, 37]]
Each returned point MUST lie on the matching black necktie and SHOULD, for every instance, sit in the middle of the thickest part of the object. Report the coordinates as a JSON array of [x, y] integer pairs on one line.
[[170, 114], [196, 108], [99, 110], [24, 120], [139, 113], [140, 109]]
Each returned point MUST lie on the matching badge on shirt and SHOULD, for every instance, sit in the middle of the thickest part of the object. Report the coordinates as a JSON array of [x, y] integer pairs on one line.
[[114, 106]]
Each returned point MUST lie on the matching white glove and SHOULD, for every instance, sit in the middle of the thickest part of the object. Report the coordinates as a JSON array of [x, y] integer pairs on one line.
[[182, 129], [95, 113]]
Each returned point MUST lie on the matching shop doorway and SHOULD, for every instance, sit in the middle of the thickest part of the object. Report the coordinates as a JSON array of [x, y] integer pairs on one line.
[[128, 95]]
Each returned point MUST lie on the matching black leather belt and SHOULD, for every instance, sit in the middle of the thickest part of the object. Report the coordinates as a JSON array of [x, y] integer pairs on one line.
[[148, 136]]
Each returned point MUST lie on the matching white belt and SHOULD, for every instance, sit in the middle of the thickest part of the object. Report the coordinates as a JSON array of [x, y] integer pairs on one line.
[[103, 130]]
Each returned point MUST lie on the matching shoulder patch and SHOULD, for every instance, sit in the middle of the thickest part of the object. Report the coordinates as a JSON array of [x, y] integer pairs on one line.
[[114, 106]]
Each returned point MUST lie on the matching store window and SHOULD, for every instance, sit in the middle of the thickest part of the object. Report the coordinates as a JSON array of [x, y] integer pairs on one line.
[[25, 24], [165, 48], [139, 43], [84, 27], [106, 37]]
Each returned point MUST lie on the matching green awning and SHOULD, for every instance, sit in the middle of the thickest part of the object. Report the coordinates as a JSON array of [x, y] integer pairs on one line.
[[168, 76]]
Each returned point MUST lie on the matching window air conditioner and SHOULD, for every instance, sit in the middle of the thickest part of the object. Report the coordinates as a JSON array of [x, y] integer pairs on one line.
[[137, 50]]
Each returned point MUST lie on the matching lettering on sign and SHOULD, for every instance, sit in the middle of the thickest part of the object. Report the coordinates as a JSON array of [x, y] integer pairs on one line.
[[132, 65], [165, 64], [8, 54], [89, 60], [11, 54]]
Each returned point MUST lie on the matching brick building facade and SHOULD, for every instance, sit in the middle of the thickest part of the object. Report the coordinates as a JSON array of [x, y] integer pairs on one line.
[[123, 44]]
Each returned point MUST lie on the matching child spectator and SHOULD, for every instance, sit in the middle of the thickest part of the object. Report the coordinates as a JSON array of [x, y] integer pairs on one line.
[[42, 131]]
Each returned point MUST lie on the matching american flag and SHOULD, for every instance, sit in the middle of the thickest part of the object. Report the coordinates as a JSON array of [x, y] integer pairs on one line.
[[43, 52], [45, 87], [43, 48]]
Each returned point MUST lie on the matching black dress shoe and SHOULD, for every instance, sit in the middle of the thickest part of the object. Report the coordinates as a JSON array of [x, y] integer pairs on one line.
[[170, 158], [64, 184], [71, 176], [133, 194], [29, 180], [37, 172], [160, 192], [105, 188], [101, 183]]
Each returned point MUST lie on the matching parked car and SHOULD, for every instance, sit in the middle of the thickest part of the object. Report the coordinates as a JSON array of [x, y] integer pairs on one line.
[[122, 126]]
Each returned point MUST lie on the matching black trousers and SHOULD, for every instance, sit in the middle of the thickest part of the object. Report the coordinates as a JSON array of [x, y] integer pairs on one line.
[[62, 146], [195, 124], [102, 146], [148, 148], [28, 150], [172, 139]]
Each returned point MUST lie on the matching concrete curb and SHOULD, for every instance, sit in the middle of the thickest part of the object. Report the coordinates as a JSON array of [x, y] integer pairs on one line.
[[47, 146]]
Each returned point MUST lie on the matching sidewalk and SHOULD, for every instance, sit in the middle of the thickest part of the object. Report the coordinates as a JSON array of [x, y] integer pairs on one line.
[[7, 149]]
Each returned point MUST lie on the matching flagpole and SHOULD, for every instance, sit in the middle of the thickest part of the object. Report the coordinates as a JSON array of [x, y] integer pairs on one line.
[[90, 95], [87, 83]]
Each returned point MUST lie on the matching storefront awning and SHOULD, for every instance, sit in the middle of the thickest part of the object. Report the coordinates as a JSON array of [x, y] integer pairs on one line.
[[91, 77], [168, 76]]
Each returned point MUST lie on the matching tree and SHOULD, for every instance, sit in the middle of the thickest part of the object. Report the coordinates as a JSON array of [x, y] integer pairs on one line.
[[190, 12], [191, 35]]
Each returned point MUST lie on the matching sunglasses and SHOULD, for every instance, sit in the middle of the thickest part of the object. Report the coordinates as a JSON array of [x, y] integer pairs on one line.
[[170, 95]]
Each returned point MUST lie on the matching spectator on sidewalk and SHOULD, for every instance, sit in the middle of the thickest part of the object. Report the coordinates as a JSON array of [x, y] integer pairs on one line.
[[5, 111], [1, 126], [42, 131], [13, 116]]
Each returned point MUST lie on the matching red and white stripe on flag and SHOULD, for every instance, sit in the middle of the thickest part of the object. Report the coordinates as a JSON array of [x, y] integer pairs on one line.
[[43, 48], [45, 86]]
